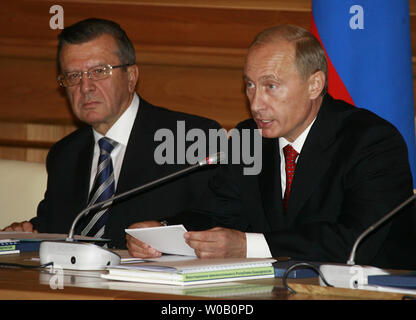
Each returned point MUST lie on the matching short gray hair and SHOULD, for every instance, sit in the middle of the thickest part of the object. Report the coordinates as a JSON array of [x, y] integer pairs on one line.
[[90, 29], [309, 54]]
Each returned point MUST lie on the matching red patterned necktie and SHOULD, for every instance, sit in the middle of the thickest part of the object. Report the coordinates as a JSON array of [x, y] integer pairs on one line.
[[290, 158]]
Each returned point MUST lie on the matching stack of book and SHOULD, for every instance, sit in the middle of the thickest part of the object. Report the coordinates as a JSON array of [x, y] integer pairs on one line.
[[193, 271], [210, 290], [9, 246]]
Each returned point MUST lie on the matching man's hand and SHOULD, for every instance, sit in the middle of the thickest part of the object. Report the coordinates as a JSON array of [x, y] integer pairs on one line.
[[138, 248], [218, 243], [24, 226]]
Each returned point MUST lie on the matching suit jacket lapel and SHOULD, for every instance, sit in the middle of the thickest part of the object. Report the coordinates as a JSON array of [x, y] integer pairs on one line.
[[135, 169], [269, 183], [313, 160], [83, 172]]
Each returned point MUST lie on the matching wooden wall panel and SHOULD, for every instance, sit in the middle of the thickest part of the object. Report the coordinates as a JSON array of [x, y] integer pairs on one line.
[[232, 26], [30, 92], [211, 92], [190, 54]]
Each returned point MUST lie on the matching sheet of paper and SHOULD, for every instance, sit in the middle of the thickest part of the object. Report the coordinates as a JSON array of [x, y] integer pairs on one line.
[[167, 239], [163, 258], [170, 258]]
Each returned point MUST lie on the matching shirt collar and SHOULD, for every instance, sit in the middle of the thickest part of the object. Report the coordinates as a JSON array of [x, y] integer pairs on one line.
[[298, 143], [120, 131]]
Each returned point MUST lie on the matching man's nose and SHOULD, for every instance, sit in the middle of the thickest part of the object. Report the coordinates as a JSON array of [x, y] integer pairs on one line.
[[86, 84], [256, 101]]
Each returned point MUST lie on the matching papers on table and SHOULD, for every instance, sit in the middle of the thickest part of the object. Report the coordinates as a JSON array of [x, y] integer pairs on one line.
[[212, 290], [166, 239], [163, 258], [193, 271]]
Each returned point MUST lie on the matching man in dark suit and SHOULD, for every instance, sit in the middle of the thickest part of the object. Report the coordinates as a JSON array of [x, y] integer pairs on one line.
[[329, 170], [97, 65]]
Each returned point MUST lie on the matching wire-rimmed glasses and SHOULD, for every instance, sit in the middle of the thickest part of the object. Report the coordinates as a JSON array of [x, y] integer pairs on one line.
[[101, 72]]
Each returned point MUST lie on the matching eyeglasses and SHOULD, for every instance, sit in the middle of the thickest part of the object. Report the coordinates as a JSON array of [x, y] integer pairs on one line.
[[70, 79]]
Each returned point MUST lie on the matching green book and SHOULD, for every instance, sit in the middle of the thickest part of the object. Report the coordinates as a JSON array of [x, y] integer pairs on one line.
[[193, 271], [212, 290], [8, 247]]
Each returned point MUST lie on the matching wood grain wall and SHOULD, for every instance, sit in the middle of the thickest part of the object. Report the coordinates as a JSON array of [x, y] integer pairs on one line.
[[190, 54]]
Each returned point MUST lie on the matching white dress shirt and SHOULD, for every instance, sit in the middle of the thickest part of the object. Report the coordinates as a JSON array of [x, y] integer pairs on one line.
[[119, 132], [257, 246]]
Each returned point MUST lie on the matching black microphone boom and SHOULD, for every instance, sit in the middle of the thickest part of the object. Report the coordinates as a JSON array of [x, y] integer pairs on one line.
[[212, 159], [86, 256], [351, 260], [355, 276]]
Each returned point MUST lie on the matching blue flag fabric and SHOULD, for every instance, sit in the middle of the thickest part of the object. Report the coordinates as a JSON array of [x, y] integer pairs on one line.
[[368, 47]]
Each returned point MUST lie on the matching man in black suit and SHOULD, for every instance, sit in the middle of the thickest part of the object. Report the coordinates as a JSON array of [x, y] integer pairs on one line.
[[97, 65], [345, 168]]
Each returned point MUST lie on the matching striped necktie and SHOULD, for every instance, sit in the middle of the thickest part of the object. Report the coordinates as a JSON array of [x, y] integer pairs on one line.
[[103, 189], [290, 159]]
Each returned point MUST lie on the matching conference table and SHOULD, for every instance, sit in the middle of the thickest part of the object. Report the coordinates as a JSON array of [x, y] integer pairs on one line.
[[18, 283]]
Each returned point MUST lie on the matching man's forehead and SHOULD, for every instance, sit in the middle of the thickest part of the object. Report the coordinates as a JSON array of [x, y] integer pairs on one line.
[[102, 49], [103, 42], [270, 57], [275, 50]]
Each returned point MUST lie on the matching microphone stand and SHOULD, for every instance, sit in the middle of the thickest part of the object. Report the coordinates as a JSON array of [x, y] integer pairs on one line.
[[69, 254], [350, 275], [109, 201], [375, 226]]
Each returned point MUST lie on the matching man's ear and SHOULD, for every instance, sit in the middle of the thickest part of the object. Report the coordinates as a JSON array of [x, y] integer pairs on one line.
[[133, 77], [316, 84]]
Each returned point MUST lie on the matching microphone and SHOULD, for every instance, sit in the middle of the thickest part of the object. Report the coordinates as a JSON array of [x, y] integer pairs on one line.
[[86, 256], [212, 159], [355, 276]]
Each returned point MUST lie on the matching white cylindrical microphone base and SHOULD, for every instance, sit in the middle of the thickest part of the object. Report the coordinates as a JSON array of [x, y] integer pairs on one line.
[[346, 276], [77, 255]]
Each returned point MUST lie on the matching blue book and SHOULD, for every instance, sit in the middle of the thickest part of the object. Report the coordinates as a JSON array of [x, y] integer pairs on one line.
[[302, 272], [407, 280], [21, 245]]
